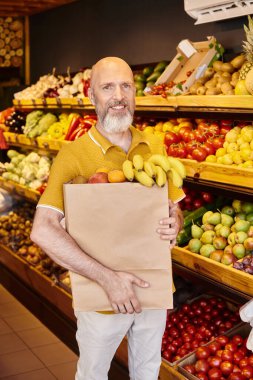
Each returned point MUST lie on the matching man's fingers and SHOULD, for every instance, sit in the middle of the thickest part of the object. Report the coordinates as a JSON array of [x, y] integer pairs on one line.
[[166, 221], [129, 307], [122, 309], [139, 282], [136, 305], [115, 308]]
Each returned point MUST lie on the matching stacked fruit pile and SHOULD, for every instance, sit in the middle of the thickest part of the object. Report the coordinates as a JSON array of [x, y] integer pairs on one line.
[[15, 230], [194, 324], [224, 358], [237, 148], [157, 169], [224, 236], [148, 76], [195, 199]]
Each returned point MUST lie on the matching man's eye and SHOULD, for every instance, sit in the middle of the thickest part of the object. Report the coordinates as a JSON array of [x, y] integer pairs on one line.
[[107, 87], [126, 86]]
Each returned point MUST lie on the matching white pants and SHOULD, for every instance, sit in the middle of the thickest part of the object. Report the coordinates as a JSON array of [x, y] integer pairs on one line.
[[99, 335]]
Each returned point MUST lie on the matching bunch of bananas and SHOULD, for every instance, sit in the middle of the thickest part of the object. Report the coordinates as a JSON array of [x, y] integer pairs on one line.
[[157, 169]]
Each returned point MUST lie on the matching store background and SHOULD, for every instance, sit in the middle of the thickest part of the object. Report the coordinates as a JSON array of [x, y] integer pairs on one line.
[[139, 31]]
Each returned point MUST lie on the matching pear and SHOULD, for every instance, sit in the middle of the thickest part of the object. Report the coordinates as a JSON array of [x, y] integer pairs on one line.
[[248, 243], [194, 245], [228, 249], [247, 207], [250, 231], [231, 238], [224, 231], [206, 250], [215, 218], [207, 227], [239, 251], [240, 216], [240, 237], [226, 220], [206, 216], [228, 210], [227, 258], [207, 237], [216, 255], [242, 225], [196, 231], [219, 242], [237, 205]]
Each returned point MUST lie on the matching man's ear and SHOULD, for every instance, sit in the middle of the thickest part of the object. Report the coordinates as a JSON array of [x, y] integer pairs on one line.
[[91, 97]]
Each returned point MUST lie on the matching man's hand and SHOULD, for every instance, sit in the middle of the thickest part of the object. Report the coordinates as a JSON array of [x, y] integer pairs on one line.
[[170, 227], [120, 291]]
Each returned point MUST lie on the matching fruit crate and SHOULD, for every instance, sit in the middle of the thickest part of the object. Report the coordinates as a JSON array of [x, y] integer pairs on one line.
[[11, 137], [219, 173], [222, 273], [230, 305], [46, 143], [190, 63], [243, 329]]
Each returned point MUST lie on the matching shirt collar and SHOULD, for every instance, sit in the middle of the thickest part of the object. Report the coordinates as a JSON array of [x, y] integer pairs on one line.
[[104, 144]]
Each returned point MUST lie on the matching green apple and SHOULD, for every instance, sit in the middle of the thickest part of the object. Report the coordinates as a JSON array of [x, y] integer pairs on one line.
[[206, 250], [228, 210]]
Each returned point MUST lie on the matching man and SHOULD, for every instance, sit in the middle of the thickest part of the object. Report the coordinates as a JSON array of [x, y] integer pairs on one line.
[[109, 143]]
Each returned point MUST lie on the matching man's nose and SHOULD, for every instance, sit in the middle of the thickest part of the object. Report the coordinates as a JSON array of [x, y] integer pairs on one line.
[[118, 93]]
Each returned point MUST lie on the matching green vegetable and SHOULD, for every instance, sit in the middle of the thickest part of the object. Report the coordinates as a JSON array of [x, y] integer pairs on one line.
[[153, 77], [161, 66], [147, 71], [32, 120], [184, 236], [194, 215], [44, 123]]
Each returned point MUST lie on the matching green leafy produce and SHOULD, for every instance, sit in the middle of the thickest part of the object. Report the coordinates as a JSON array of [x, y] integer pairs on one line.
[[32, 120], [44, 123]]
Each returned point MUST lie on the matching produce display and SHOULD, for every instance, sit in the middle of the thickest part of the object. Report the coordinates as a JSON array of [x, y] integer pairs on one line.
[[237, 149], [194, 324], [224, 236], [15, 230], [224, 358], [30, 170], [15, 120], [52, 86], [148, 76], [195, 199]]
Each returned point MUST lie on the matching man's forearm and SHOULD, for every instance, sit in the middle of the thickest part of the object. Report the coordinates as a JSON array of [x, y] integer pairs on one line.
[[60, 246]]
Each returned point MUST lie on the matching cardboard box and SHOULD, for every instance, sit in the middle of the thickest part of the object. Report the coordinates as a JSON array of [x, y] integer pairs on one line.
[[189, 64]]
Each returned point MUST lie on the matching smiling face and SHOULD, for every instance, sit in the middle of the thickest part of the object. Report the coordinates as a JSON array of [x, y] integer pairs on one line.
[[113, 94]]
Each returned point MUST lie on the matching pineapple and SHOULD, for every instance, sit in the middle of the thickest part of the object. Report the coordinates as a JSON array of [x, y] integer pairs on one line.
[[248, 49]]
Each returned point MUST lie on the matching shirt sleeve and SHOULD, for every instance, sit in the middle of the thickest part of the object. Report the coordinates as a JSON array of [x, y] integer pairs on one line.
[[62, 171]]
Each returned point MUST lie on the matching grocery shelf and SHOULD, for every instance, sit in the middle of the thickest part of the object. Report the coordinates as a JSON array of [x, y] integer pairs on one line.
[[39, 143], [206, 103], [19, 190], [221, 273]]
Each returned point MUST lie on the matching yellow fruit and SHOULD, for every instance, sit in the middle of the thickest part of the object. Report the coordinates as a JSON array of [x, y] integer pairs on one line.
[[159, 134], [220, 152], [160, 160], [161, 177], [211, 158], [177, 165], [232, 147], [79, 180], [150, 169], [102, 170], [143, 178], [128, 170], [115, 176], [138, 162], [168, 126], [175, 178], [159, 126], [240, 88], [248, 164], [249, 81], [237, 157]]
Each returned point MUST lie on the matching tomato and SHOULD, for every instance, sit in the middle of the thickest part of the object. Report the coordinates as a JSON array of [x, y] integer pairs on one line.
[[184, 130], [172, 150], [200, 136], [199, 154], [197, 203], [191, 145], [208, 148], [202, 365], [214, 373], [190, 368], [226, 123], [218, 142], [171, 138], [225, 129], [188, 136]]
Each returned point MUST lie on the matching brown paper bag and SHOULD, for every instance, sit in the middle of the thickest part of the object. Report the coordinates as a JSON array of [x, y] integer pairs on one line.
[[116, 224]]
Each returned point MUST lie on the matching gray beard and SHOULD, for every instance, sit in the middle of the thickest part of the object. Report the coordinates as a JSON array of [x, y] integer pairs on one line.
[[116, 124]]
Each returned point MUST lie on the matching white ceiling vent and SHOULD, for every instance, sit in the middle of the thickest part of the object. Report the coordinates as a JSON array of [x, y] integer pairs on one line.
[[215, 10]]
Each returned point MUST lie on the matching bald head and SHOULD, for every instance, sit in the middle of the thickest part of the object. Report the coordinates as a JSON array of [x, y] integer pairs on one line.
[[108, 66]]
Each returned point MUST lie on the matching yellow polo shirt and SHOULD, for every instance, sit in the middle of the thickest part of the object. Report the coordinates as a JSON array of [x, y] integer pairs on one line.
[[91, 152]]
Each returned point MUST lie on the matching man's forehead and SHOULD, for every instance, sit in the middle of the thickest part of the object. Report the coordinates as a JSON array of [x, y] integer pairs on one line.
[[110, 71]]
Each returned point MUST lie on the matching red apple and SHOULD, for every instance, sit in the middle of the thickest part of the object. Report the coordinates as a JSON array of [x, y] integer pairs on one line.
[[98, 178]]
